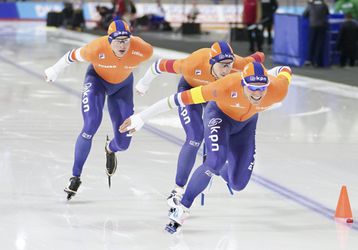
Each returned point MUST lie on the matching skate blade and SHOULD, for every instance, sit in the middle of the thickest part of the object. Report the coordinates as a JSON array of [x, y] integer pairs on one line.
[[172, 227], [108, 174], [114, 170], [69, 193]]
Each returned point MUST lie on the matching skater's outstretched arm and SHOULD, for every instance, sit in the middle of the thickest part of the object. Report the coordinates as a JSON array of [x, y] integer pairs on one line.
[[188, 97], [280, 77], [157, 68], [187, 67], [51, 73]]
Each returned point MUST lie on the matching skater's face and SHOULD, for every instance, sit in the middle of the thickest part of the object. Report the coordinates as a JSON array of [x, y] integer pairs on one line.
[[120, 45], [222, 68], [255, 92]]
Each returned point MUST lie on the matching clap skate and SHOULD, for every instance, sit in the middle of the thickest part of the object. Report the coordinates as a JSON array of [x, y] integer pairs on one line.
[[73, 186], [111, 163], [177, 218], [172, 227]]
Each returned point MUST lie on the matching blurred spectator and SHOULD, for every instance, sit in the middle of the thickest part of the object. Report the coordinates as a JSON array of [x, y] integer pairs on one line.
[[155, 20], [347, 6], [72, 18], [347, 41], [67, 14], [159, 11], [106, 17], [193, 13], [269, 8], [317, 13], [133, 13], [78, 22], [251, 18], [122, 10]]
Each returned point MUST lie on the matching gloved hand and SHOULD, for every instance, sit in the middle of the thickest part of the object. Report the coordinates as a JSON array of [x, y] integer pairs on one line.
[[132, 124], [141, 87], [51, 74], [258, 56]]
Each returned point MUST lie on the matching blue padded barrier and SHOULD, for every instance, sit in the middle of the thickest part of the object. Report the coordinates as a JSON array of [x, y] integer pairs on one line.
[[291, 39], [8, 11]]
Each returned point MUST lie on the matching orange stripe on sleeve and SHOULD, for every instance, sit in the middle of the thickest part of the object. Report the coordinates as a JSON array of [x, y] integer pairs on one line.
[[73, 55], [166, 65], [162, 65], [186, 97]]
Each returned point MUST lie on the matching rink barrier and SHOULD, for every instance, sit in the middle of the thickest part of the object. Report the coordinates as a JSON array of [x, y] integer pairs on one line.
[[291, 44], [8, 11], [174, 13]]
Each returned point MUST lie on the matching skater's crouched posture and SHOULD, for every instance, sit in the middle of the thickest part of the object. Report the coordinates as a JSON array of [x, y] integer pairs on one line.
[[230, 119], [199, 68], [112, 59]]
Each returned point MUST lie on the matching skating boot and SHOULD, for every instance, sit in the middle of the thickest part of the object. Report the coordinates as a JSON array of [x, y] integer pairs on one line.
[[177, 218], [111, 163], [73, 186], [175, 197]]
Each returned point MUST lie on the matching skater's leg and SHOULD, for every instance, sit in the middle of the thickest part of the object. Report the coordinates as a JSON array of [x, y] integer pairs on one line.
[[191, 119], [93, 98], [216, 136], [241, 155], [120, 107]]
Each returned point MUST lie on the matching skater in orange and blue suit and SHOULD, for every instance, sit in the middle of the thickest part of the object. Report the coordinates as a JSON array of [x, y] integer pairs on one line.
[[230, 119], [198, 69], [112, 60]]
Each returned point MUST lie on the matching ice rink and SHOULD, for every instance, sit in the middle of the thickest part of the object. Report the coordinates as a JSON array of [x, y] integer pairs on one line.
[[307, 149]]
